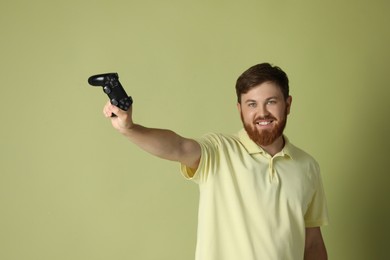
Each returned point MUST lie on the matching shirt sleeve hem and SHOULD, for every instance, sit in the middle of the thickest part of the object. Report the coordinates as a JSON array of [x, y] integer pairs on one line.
[[317, 223]]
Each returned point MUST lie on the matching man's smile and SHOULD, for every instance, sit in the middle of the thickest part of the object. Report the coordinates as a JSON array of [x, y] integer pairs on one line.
[[264, 122]]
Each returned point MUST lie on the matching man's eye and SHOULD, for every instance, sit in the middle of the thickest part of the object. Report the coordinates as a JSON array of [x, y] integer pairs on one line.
[[251, 104], [271, 102]]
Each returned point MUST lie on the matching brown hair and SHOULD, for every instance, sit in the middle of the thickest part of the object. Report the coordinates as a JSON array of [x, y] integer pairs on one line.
[[259, 74]]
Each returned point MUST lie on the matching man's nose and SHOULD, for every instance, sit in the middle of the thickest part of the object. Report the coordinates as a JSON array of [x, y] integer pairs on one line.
[[263, 111]]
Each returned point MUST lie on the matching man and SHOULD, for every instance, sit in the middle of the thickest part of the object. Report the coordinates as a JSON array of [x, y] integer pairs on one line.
[[260, 196]]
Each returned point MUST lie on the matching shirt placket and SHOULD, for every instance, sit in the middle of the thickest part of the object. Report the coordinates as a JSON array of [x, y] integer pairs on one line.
[[272, 174]]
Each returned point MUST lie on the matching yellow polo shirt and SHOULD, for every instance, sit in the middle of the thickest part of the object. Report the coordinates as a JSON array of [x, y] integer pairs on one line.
[[254, 206]]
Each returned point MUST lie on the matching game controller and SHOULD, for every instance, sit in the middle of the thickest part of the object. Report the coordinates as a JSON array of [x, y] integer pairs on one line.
[[113, 88]]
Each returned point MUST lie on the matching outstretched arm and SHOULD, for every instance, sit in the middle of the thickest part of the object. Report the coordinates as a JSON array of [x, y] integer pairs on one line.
[[163, 143]]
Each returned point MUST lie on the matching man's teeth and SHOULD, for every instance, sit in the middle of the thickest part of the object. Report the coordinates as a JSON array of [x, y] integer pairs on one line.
[[264, 123]]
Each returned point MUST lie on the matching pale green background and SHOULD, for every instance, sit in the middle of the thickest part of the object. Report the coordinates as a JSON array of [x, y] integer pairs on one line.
[[72, 188]]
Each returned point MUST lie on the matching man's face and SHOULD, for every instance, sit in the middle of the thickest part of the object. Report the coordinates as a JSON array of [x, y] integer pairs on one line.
[[264, 113]]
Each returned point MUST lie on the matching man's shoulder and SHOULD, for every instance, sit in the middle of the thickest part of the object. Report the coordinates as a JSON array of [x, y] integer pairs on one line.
[[219, 138], [224, 143], [299, 154]]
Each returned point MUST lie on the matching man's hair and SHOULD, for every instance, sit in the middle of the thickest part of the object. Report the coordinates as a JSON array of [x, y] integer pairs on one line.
[[259, 74]]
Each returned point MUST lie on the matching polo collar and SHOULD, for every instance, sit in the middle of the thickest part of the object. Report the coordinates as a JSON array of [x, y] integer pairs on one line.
[[253, 148]]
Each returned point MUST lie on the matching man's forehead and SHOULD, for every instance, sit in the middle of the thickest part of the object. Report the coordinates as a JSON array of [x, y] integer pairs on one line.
[[265, 90]]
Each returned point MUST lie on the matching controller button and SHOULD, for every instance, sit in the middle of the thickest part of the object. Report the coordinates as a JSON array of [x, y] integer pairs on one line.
[[114, 102]]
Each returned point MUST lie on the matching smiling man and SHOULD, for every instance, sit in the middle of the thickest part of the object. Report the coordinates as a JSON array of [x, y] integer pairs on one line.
[[261, 197]]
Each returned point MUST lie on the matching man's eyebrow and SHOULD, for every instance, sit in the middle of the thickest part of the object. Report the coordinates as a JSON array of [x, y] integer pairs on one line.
[[274, 97], [267, 99]]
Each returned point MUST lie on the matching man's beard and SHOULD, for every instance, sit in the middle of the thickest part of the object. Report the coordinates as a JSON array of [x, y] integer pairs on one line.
[[265, 137]]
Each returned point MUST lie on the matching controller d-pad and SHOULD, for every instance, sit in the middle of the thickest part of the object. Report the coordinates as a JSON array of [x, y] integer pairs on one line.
[[114, 83]]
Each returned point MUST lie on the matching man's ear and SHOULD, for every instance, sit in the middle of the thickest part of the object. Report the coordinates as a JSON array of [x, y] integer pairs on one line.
[[288, 103], [239, 107]]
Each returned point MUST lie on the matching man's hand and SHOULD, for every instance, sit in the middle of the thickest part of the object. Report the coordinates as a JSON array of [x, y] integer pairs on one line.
[[123, 120]]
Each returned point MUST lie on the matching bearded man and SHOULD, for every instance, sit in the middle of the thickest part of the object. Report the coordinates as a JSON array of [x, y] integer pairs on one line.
[[261, 197]]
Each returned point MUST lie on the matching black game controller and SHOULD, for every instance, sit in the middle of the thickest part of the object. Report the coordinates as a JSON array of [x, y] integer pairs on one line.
[[113, 88]]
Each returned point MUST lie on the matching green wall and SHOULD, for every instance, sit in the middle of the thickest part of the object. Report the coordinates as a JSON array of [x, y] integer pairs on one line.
[[73, 188]]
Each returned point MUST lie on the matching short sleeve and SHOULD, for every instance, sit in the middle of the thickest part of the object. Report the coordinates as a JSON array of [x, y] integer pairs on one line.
[[317, 212], [209, 156]]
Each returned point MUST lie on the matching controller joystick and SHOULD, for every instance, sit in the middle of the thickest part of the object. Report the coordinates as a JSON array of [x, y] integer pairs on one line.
[[113, 88]]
